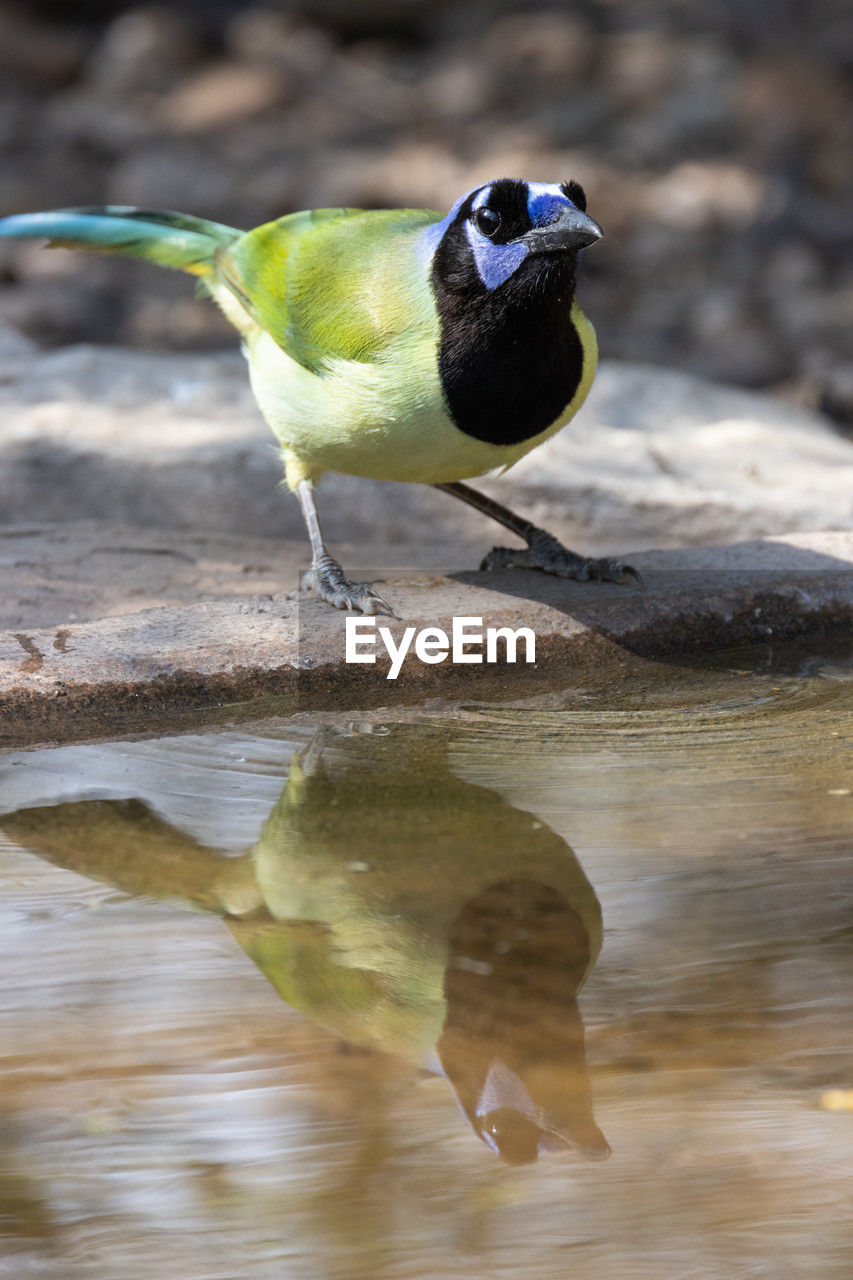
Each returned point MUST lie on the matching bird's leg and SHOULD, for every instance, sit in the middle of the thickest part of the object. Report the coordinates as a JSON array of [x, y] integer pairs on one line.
[[326, 576], [542, 551]]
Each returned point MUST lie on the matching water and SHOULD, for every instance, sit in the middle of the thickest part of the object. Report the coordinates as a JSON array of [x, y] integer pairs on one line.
[[545, 991]]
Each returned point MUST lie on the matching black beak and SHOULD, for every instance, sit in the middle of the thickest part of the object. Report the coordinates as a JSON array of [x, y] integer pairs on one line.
[[573, 230]]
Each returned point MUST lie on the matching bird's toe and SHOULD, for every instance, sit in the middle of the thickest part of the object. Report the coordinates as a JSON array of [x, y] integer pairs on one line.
[[506, 558], [610, 571], [550, 556], [624, 574], [361, 598], [330, 583]]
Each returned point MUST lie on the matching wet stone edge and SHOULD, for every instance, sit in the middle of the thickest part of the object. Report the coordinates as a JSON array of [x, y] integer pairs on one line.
[[187, 701]]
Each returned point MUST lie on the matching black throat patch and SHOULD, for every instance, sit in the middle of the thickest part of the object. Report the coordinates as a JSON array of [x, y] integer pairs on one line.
[[510, 358]]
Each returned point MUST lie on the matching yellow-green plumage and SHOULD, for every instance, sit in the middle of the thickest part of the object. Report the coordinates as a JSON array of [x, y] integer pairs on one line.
[[341, 336], [332, 283]]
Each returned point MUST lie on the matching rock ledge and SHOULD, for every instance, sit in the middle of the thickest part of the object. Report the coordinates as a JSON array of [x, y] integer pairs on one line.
[[169, 666]]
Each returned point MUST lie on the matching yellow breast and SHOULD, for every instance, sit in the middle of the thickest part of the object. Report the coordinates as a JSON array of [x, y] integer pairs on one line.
[[386, 419]]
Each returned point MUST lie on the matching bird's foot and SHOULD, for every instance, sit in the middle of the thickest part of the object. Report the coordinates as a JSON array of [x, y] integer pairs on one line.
[[546, 553], [327, 578]]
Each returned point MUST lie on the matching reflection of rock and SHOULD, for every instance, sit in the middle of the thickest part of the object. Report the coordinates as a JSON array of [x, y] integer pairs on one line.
[[398, 907]]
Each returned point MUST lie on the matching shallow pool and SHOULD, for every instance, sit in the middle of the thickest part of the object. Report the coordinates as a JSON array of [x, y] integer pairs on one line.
[[551, 990]]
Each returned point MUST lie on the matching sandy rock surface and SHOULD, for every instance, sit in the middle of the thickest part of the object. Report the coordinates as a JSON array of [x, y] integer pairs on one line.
[[165, 666], [148, 558]]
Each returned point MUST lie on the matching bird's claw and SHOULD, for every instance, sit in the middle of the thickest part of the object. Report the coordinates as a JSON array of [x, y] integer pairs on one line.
[[327, 578], [544, 552], [625, 575]]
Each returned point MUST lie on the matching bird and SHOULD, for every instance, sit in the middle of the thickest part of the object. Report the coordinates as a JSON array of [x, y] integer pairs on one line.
[[395, 344]]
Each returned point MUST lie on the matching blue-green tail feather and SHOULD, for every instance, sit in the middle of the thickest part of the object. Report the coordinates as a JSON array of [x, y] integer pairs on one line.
[[170, 239]]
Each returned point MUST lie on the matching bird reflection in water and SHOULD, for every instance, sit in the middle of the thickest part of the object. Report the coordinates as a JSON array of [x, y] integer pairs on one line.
[[398, 906]]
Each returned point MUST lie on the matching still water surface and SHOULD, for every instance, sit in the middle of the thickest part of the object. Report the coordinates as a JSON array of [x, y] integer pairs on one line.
[[380, 1000]]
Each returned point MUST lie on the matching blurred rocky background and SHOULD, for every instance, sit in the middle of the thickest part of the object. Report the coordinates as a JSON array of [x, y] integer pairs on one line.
[[713, 137]]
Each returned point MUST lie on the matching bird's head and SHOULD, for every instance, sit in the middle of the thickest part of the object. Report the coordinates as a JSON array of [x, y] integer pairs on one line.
[[510, 232]]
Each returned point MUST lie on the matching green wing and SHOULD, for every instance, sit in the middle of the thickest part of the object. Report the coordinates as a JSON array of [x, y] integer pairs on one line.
[[333, 283]]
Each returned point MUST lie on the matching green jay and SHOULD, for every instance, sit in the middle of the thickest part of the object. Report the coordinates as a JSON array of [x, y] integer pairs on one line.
[[395, 344]]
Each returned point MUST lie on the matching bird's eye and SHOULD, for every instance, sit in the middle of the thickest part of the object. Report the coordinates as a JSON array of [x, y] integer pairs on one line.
[[487, 221]]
